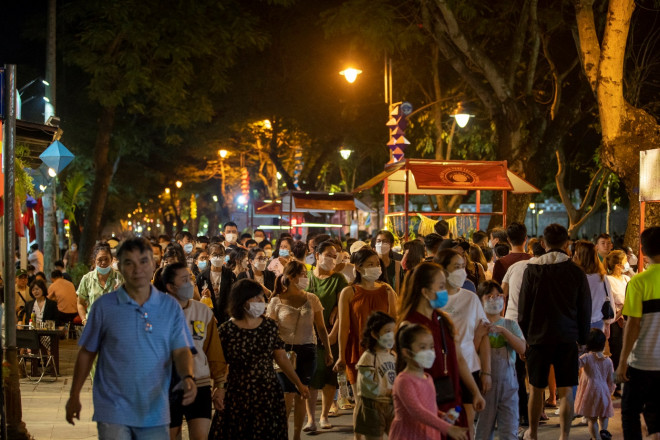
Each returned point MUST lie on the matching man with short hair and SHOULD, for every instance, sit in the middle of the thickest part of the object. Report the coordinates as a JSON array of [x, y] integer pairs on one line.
[[442, 229], [517, 237], [431, 244], [554, 313], [138, 334], [259, 236], [639, 367], [23, 295], [187, 242], [480, 238], [215, 282], [64, 292], [59, 265], [158, 254], [230, 231], [603, 246], [497, 235]]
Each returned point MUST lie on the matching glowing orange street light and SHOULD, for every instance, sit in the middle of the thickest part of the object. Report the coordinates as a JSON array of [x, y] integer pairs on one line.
[[350, 74]]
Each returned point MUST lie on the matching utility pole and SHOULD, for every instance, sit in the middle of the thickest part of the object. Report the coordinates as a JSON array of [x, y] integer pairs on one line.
[[50, 221], [14, 413]]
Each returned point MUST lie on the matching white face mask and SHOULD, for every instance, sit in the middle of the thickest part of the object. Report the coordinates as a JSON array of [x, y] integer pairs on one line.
[[258, 239], [303, 283], [494, 306], [259, 265], [382, 248], [632, 260], [256, 309], [185, 291], [457, 278], [425, 358], [115, 265], [327, 264], [626, 267], [387, 340], [491, 244], [371, 273], [217, 261], [231, 237]]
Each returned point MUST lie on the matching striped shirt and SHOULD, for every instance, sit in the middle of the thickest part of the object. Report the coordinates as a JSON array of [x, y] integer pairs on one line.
[[643, 301]]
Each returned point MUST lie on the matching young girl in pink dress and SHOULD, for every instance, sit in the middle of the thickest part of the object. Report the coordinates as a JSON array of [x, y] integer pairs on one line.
[[415, 410], [594, 394]]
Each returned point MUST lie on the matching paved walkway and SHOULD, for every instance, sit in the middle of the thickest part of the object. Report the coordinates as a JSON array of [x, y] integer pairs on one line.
[[43, 411]]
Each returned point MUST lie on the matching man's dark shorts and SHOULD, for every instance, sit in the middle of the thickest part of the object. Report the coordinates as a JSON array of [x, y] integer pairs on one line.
[[199, 409], [564, 357]]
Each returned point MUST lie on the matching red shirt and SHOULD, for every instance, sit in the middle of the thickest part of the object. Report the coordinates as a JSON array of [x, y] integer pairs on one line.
[[503, 264]]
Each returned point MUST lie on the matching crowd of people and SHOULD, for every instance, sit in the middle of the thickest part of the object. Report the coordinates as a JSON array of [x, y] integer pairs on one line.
[[438, 337]]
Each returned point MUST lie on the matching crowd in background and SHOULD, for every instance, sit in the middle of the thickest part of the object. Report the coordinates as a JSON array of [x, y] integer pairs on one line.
[[438, 336]]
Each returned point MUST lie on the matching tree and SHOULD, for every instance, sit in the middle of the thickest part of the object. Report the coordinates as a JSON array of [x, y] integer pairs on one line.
[[626, 130], [164, 63]]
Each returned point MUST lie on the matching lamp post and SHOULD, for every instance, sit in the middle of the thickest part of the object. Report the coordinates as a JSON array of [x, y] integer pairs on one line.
[[223, 154]]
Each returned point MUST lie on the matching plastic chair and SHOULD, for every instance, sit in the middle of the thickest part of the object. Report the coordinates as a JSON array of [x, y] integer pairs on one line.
[[34, 352]]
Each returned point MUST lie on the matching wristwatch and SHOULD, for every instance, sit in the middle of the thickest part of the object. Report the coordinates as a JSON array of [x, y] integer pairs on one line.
[[188, 376]]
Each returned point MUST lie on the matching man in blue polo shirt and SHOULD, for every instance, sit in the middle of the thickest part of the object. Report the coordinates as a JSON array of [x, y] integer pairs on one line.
[[137, 333]]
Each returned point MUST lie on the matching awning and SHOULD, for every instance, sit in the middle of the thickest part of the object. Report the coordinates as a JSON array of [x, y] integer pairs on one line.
[[312, 202], [430, 177]]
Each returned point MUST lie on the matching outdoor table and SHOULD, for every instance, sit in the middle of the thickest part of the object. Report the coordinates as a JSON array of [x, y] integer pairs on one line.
[[50, 339]]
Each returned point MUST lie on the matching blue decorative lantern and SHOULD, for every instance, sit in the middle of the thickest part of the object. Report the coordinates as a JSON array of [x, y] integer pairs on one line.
[[57, 156]]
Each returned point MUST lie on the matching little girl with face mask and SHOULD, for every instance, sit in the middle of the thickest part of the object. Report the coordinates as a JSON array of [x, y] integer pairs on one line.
[[376, 372], [505, 339], [415, 407]]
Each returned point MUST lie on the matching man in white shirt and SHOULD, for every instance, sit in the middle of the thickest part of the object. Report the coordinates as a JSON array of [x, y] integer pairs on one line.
[[511, 286], [36, 258]]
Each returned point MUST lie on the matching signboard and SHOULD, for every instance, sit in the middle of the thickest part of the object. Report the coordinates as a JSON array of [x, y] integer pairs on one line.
[[649, 175]]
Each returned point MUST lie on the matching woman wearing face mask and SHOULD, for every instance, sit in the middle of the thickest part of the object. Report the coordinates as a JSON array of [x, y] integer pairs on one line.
[[99, 281], [267, 247], [298, 313], [200, 262], [424, 294], [257, 269], [281, 256], [253, 400], [238, 261], [356, 303], [209, 363], [215, 281], [505, 339], [383, 247], [326, 285], [617, 266], [468, 316]]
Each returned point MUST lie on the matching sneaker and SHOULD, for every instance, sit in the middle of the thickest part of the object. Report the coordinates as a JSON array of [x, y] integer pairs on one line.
[[605, 434], [325, 424], [309, 427]]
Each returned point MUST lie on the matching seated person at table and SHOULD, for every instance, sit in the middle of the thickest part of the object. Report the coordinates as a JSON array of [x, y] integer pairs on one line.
[[44, 309]]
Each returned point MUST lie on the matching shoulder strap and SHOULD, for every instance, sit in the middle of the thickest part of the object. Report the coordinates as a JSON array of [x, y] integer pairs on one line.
[[19, 294]]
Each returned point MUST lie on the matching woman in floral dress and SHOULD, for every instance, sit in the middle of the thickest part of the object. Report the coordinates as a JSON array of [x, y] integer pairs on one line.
[[252, 404]]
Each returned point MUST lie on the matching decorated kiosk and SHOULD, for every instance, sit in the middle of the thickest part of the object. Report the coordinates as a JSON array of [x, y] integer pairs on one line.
[[421, 177]]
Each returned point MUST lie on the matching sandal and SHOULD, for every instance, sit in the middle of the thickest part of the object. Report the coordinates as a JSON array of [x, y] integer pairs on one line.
[[325, 424], [334, 411], [549, 404], [310, 427], [605, 434]]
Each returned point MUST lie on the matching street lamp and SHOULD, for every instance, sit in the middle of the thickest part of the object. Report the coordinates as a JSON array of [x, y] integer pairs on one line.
[[167, 190], [350, 74], [461, 115], [178, 184], [222, 153], [345, 153]]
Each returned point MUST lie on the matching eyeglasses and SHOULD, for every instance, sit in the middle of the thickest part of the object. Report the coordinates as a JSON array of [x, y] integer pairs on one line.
[[263, 259], [147, 325]]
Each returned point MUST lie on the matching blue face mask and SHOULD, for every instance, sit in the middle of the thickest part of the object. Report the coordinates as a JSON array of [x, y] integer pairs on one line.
[[284, 252], [202, 264], [441, 299], [188, 248], [103, 270], [226, 258]]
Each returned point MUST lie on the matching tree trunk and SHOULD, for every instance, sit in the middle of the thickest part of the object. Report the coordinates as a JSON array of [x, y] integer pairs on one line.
[[102, 177], [50, 228]]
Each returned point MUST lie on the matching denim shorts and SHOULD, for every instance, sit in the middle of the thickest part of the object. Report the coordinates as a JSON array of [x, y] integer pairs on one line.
[[305, 366], [113, 431]]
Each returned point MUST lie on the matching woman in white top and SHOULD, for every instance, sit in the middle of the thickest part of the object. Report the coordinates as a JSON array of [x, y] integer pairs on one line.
[[586, 257], [617, 266], [297, 313]]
